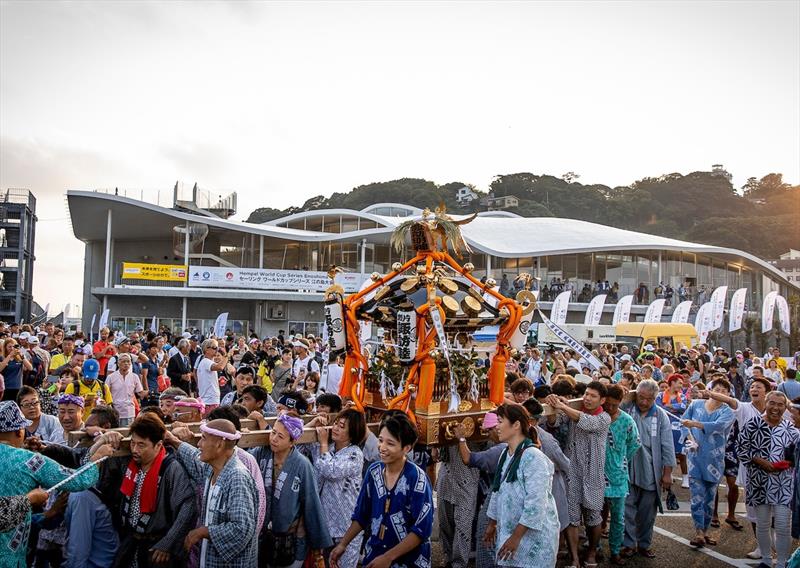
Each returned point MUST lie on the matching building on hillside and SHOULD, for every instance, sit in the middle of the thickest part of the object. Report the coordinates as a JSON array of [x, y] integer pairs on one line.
[[789, 264], [499, 203], [139, 262], [17, 240], [465, 196], [719, 170]]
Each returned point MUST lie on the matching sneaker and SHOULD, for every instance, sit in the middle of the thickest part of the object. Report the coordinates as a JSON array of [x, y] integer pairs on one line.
[[685, 482], [755, 554]]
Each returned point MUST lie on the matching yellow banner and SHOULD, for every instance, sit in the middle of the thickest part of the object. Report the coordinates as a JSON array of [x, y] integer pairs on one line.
[[140, 271]]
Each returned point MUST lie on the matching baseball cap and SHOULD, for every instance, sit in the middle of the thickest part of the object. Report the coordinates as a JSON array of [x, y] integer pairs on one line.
[[91, 369], [649, 347], [24, 336]]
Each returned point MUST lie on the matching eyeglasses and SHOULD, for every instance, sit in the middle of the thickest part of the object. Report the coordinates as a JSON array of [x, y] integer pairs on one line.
[[31, 404]]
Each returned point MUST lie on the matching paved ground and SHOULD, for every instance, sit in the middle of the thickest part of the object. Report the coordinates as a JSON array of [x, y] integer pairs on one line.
[[671, 541]]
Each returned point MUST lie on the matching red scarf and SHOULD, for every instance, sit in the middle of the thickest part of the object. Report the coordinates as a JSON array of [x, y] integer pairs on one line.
[[597, 411], [147, 499]]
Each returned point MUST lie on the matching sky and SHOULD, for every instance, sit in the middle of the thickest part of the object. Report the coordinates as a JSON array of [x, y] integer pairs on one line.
[[285, 101]]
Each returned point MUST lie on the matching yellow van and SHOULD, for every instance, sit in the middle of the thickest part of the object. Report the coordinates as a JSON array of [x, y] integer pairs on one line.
[[669, 336]]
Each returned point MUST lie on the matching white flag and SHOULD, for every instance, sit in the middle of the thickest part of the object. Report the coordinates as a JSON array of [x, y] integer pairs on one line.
[[736, 311], [365, 330], [768, 311], [654, 310], [702, 322], [595, 310], [783, 314], [46, 310], [622, 312], [558, 313], [91, 325], [681, 312], [154, 325], [718, 306], [103, 320], [220, 325]]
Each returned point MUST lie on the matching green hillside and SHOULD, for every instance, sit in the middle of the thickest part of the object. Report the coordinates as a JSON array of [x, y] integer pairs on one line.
[[761, 218]]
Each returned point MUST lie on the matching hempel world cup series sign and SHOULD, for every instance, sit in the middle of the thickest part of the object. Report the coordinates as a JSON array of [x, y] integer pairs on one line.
[[268, 279]]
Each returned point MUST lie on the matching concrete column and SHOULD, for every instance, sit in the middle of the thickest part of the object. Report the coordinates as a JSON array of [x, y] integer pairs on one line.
[[186, 250], [363, 255], [488, 265], [183, 315], [106, 274], [261, 252]]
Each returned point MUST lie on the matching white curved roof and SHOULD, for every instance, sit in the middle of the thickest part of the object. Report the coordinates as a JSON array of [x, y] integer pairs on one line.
[[502, 236]]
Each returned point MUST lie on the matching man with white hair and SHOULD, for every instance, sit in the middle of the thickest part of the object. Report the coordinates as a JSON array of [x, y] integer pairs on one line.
[[125, 385], [650, 469], [179, 367]]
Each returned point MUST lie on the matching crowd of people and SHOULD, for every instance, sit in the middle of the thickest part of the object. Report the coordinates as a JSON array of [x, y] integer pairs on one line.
[[575, 456]]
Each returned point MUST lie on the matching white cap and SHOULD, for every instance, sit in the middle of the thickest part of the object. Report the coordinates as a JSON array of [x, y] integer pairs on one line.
[[649, 347], [581, 378], [24, 336], [186, 335], [626, 357], [34, 340]]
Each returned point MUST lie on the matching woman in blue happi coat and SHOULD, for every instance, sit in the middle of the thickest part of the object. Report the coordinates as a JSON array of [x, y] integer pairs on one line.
[[395, 505]]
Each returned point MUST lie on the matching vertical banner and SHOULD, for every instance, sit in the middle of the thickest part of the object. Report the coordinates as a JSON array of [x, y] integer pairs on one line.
[[406, 335], [365, 330], [702, 322], [91, 328], [768, 311], [334, 325], [736, 310], [654, 311], [103, 320], [622, 311], [681, 312], [718, 298], [783, 313], [558, 313], [585, 354], [154, 325], [220, 325], [595, 310]]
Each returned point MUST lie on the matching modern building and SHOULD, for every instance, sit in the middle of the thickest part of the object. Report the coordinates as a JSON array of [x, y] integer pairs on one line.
[[498, 203], [789, 264], [17, 239], [139, 262], [465, 196]]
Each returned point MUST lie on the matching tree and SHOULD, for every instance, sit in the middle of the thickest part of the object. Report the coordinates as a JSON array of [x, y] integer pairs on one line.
[[569, 177]]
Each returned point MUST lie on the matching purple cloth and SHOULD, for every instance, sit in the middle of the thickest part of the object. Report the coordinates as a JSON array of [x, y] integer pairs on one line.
[[293, 425]]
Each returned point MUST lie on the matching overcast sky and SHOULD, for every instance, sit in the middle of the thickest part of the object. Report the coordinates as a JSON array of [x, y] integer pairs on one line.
[[284, 101]]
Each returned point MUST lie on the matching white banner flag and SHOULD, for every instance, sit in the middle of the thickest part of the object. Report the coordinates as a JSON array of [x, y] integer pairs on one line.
[[595, 310], [783, 313], [103, 320], [558, 313], [220, 325], [681, 312], [585, 354], [91, 325], [654, 311], [717, 301], [154, 325], [768, 311], [736, 311], [365, 330], [702, 323], [622, 312]]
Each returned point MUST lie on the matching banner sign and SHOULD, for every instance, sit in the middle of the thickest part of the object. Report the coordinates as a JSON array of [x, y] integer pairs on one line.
[[267, 279], [165, 272], [406, 335], [595, 310], [681, 312], [768, 311], [783, 313], [654, 311], [718, 310], [585, 354], [622, 311], [558, 312], [702, 322], [736, 311], [220, 325], [103, 320]]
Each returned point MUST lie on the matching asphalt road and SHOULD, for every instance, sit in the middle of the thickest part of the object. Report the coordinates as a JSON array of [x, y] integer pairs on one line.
[[673, 531]]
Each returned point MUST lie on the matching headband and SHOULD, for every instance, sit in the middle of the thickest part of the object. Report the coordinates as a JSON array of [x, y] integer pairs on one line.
[[192, 404], [71, 399], [293, 425], [291, 402], [490, 420], [219, 433]]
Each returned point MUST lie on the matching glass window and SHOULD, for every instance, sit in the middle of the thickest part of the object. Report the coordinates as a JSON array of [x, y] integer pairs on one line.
[[349, 224]]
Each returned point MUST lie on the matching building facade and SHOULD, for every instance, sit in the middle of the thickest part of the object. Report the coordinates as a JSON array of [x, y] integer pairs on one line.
[[17, 240], [270, 276]]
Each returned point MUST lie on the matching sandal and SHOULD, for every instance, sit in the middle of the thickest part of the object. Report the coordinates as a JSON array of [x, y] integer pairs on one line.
[[734, 524], [626, 552], [715, 523], [698, 542], [646, 552], [710, 541]]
